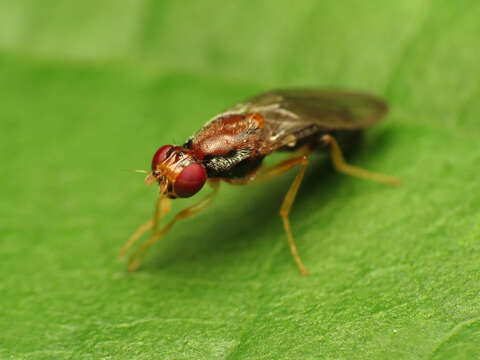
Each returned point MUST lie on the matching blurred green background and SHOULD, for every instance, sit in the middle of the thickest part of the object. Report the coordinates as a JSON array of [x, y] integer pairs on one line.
[[90, 89]]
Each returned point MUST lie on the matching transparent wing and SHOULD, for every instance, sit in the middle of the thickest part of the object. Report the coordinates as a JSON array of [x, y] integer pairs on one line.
[[291, 115]]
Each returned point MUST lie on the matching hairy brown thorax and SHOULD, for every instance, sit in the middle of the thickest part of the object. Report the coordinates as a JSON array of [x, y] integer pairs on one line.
[[226, 133]]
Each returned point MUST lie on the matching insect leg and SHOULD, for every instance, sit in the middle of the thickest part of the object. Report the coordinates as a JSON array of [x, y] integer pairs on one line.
[[341, 166], [136, 259], [162, 207], [268, 173], [275, 171]]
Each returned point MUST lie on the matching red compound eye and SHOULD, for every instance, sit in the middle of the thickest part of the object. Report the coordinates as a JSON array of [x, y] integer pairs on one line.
[[160, 155], [190, 180]]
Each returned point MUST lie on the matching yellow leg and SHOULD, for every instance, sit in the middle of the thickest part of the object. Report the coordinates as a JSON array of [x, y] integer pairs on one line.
[[137, 258], [135, 236], [277, 170], [341, 166], [162, 207]]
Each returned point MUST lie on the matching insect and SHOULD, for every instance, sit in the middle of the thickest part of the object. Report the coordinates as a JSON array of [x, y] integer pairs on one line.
[[232, 145]]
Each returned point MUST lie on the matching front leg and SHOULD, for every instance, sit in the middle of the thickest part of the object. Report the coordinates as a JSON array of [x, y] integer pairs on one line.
[[137, 258], [162, 207]]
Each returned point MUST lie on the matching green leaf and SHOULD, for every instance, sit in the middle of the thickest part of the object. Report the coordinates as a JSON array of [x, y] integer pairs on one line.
[[89, 90]]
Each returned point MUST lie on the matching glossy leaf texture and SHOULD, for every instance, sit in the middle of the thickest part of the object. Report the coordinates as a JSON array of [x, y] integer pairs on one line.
[[90, 90]]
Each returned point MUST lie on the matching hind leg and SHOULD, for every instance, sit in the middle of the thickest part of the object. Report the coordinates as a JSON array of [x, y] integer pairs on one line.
[[341, 166]]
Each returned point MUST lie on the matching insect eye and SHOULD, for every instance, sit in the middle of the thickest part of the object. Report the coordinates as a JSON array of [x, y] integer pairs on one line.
[[160, 155], [190, 180]]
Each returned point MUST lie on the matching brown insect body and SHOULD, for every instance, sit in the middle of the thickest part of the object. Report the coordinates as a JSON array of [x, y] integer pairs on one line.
[[229, 146], [226, 133], [233, 144]]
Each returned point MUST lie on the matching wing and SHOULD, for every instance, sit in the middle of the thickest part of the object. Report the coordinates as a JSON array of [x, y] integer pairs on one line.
[[291, 115]]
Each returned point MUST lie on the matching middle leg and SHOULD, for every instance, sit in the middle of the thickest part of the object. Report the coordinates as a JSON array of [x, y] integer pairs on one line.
[[275, 171]]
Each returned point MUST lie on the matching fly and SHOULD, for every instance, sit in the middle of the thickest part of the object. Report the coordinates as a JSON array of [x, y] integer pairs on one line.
[[232, 145]]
